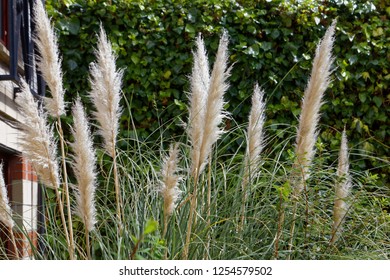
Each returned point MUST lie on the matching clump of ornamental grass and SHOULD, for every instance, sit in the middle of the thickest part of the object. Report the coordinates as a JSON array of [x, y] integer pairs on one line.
[[37, 139], [248, 189]]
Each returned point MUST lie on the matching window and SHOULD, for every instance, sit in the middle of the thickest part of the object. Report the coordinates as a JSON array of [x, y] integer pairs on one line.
[[4, 22]]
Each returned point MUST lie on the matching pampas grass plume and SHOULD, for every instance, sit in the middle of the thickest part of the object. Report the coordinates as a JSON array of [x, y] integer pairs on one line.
[[106, 83], [84, 167], [214, 112], [37, 140], [311, 104], [255, 130], [200, 80], [255, 144], [39, 147], [342, 189], [170, 180], [49, 61], [206, 114]]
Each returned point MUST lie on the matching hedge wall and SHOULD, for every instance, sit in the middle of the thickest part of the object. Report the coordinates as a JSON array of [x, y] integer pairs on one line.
[[270, 42]]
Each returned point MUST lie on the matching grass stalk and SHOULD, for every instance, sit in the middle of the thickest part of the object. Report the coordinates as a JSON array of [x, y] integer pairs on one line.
[[294, 213], [208, 207], [64, 222], [13, 241], [309, 118], [279, 231], [292, 229], [193, 205], [66, 189], [118, 196], [87, 244]]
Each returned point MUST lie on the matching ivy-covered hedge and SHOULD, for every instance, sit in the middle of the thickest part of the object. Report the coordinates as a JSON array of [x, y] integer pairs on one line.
[[271, 43]]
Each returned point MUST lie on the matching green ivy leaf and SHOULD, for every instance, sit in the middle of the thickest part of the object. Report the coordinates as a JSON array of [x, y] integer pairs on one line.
[[378, 101], [134, 58], [362, 97], [190, 29]]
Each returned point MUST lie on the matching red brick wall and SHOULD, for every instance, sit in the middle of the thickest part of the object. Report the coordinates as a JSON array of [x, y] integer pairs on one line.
[[20, 169], [21, 180]]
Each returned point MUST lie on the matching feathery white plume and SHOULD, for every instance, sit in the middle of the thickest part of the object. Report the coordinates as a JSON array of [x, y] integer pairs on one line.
[[311, 104], [170, 180], [255, 129], [214, 112], [255, 145], [37, 140], [342, 189], [206, 113], [200, 80], [49, 61], [84, 167], [106, 83]]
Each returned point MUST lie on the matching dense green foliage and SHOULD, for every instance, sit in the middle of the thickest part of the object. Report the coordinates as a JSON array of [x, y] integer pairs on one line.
[[270, 42], [237, 217]]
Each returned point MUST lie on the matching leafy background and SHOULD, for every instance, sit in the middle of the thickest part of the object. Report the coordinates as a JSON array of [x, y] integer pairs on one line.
[[271, 43]]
